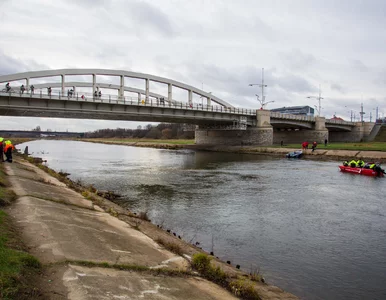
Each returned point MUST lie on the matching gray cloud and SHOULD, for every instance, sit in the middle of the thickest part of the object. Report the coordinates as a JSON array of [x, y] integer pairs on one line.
[[359, 66], [10, 65], [337, 87], [297, 60], [145, 15]]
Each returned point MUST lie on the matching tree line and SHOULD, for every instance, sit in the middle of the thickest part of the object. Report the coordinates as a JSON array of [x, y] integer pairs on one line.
[[160, 131]]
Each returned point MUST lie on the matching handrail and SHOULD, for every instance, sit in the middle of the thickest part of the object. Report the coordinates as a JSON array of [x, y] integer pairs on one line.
[[127, 100]]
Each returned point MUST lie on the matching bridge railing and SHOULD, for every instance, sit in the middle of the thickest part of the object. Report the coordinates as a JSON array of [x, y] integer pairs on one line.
[[339, 122], [127, 100], [278, 115]]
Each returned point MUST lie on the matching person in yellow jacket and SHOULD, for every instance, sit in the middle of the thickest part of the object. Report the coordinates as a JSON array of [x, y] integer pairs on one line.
[[353, 163], [360, 163], [8, 148]]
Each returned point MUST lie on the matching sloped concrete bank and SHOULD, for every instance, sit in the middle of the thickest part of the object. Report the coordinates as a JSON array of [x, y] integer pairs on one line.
[[94, 249]]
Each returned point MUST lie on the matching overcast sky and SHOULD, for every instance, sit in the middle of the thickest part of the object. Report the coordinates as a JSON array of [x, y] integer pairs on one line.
[[220, 45]]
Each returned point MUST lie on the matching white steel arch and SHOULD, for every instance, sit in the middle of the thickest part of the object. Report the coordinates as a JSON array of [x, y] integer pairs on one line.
[[121, 88]]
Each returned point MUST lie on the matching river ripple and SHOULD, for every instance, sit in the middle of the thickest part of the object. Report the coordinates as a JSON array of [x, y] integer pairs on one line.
[[305, 226]]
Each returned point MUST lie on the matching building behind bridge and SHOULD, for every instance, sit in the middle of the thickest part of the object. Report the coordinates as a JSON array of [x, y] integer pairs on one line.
[[295, 110]]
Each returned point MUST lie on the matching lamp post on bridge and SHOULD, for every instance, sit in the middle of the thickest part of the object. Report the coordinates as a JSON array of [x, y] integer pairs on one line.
[[351, 114], [319, 98], [263, 103], [262, 85]]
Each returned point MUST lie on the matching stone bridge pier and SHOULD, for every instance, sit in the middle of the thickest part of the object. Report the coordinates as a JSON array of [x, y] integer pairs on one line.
[[318, 134], [261, 134], [359, 133]]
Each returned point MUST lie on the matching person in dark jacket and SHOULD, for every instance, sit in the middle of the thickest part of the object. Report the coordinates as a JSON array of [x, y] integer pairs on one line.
[[314, 144], [1, 149]]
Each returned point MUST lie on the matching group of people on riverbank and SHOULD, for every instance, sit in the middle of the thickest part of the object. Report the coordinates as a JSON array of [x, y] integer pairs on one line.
[[306, 144], [6, 148]]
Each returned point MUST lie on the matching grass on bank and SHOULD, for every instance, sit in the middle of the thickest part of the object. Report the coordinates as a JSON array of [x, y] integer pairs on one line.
[[15, 264], [374, 146], [241, 287]]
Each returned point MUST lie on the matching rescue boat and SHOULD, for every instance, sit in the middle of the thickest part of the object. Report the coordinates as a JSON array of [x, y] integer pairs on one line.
[[362, 171]]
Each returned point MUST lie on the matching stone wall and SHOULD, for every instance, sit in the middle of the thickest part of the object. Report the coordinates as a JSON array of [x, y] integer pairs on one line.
[[251, 136], [355, 135], [300, 136]]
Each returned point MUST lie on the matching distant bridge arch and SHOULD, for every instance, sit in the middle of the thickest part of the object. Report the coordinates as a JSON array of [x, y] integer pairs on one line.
[[27, 76]]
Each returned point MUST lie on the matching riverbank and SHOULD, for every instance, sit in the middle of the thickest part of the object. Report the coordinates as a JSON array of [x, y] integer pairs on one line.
[[88, 245], [321, 153]]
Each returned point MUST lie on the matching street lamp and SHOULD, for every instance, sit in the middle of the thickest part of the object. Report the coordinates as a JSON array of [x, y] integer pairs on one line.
[[263, 103], [262, 85], [319, 98]]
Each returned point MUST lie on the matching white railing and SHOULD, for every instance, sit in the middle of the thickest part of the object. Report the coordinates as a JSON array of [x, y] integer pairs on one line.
[[126, 100], [339, 122], [278, 115]]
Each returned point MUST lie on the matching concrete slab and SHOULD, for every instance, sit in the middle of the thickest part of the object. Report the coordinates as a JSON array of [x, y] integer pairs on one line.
[[24, 169], [56, 232], [375, 155], [24, 186], [105, 284]]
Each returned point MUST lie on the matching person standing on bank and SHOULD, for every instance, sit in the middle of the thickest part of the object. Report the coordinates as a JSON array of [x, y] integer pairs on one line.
[[8, 150], [325, 142], [1, 150], [314, 144]]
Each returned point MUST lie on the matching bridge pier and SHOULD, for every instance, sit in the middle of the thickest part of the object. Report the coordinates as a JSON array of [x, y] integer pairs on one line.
[[358, 133], [292, 136], [261, 135]]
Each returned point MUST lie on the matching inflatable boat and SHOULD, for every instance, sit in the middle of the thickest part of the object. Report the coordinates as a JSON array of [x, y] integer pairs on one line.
[[363, 171]]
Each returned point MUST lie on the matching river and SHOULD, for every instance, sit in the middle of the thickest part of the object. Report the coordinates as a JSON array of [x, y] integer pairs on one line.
[[306, 227]]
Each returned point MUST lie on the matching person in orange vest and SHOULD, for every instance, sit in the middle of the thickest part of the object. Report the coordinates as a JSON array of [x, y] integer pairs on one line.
[[8, 148]]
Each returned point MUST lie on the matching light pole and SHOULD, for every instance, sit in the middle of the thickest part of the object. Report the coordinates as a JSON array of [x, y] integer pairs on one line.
[[262, 103], [319, 98], [351, 113], [362, 113], [262, 85]]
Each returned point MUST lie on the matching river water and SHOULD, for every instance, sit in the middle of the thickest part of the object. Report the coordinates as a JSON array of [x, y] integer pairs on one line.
[[302, 224]]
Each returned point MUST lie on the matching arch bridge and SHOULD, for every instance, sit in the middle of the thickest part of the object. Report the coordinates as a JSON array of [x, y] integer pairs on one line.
[[98, 98]]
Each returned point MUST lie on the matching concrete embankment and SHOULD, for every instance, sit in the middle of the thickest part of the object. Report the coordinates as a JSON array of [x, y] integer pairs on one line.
[[93, 249]]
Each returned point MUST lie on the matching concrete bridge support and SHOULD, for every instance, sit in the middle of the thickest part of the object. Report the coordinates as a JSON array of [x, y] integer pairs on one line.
[[318, 134], [261, 135], [359, 133]]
